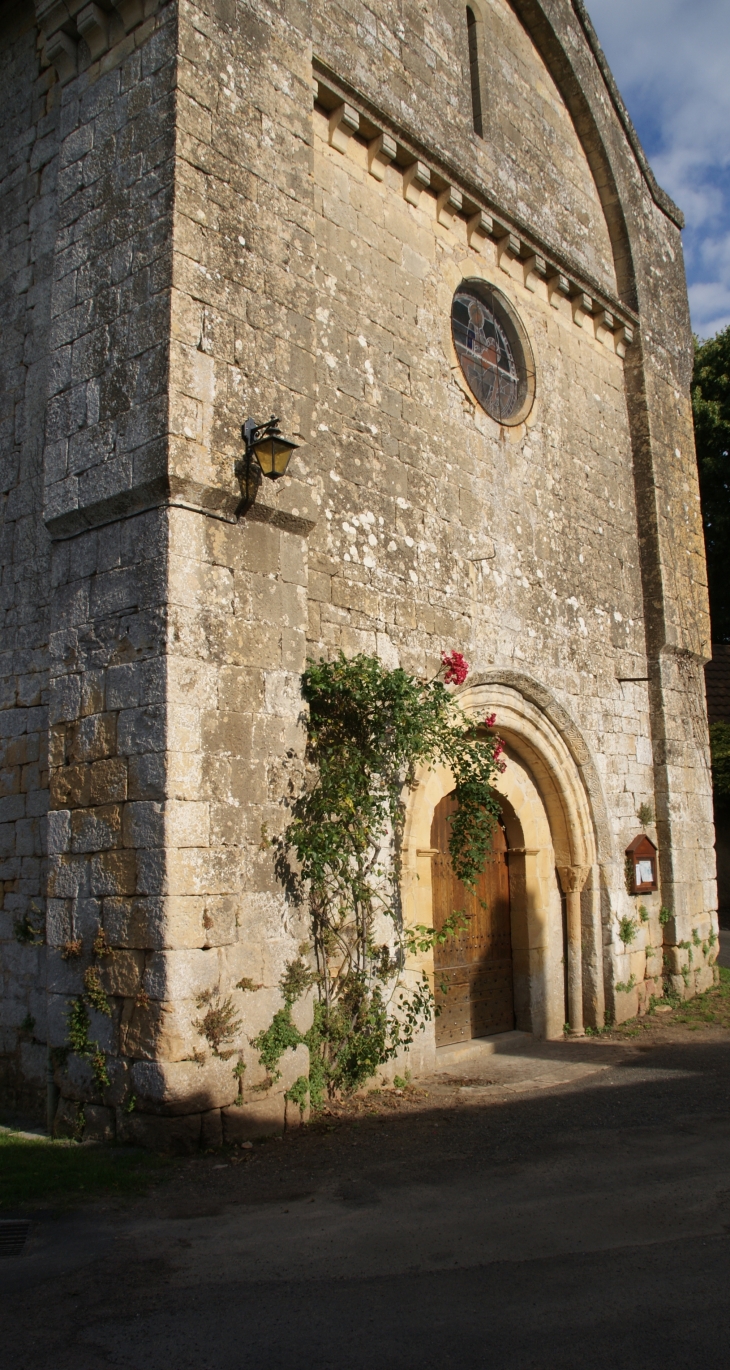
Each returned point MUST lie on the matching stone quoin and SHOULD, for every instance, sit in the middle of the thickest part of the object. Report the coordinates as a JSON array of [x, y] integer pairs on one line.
[[426, 236]]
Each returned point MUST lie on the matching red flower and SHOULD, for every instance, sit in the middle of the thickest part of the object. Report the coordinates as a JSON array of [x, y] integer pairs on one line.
[[490, 720], [498, 749], [457, 669]]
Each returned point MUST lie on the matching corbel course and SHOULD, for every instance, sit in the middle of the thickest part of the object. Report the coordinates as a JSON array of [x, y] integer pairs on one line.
[[349, 117], [77, 33]]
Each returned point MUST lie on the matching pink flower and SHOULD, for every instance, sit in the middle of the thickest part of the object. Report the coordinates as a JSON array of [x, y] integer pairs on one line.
[[490, 720], [457, 669], [498, 749]]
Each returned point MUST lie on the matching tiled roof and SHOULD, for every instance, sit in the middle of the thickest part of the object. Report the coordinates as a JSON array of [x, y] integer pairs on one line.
[[717, 682]]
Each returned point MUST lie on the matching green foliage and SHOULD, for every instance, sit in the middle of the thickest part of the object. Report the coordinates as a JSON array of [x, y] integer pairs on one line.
[[627, 930], [624, 987], [299, 1092], [629, 875], [369, 729], [218, 1024], [30, 931], [28, 1024], [78, 1028], [278, 1037], [645, 814], [643, 913], [36, 1170], [95, 994], [720, 753], [711, 409], [664, 916], [80, 1042]]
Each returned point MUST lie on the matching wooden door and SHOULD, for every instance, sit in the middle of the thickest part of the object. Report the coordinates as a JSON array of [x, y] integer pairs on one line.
[[476, 962]]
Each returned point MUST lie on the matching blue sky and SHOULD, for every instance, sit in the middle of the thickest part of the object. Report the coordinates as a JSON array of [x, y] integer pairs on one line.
[[671, 60]]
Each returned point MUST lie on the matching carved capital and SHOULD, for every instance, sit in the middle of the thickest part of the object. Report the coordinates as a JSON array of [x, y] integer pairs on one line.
[[573, 878]]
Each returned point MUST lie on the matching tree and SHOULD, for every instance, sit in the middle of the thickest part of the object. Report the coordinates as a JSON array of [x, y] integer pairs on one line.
[[711, 409]]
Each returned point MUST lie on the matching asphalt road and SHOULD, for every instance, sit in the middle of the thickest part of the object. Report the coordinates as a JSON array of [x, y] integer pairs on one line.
[[573, 1227]]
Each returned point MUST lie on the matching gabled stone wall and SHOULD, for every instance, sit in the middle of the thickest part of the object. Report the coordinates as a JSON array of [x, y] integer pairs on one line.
[[227, 211]]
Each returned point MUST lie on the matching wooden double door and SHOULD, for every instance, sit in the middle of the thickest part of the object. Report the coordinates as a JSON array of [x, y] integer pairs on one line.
[[474, 965]]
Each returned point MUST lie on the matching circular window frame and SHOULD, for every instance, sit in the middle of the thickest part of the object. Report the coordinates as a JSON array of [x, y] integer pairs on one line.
[[516, 336]]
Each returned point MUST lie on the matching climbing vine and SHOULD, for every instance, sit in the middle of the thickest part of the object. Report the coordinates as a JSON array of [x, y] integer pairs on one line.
[[369, 728]]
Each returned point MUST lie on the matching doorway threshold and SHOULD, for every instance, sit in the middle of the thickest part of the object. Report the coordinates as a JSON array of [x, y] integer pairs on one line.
[[477, 1048]]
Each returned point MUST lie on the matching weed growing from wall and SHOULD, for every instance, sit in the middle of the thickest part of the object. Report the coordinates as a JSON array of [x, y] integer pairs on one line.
[[369, 728]]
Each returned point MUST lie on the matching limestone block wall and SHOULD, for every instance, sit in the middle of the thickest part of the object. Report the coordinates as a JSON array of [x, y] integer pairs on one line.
[[29, 117], [226, 211]]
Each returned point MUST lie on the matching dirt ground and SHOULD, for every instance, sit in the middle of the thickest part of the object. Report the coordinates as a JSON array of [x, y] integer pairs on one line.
[[536, 1209]]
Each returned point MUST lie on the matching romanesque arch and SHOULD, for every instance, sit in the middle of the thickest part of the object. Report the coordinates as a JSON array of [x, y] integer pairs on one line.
[[559, 851]]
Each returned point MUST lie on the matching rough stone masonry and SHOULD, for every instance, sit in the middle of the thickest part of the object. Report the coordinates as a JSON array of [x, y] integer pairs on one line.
[[218, 210]]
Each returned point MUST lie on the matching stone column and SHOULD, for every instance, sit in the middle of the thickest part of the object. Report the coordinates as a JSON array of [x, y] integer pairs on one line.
[[572, 880]]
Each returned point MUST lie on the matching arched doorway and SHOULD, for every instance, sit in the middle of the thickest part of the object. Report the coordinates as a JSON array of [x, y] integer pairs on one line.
[[559, 854], [473, 979]]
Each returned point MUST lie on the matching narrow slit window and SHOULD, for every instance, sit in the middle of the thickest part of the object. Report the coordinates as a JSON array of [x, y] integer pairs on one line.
[[476, 85]]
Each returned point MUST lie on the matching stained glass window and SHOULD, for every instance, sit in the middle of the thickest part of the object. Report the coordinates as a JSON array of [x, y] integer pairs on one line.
[[493, 351]]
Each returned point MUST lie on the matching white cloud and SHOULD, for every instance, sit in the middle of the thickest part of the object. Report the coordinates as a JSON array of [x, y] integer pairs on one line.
[[671, 59]]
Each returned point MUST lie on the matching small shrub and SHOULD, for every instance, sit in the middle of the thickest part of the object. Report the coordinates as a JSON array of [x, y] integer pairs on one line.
[[643, 913], [664, 916], [28, 932], [74, 947], [645, 814], [625, 987], [95, 992], [219, 1023], [627, 930], [101, 945]]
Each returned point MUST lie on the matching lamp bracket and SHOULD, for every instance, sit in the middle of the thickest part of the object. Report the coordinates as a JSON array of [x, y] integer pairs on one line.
[[253, 432]]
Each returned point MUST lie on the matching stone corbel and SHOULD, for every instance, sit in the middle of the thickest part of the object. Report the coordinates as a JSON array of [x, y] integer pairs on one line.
[[381, 152], [344, 121], [558, 289], [605, 325], [478, 228], [572, 880], [130, 12], [623, 338], [535, 270], [61, 53], [509, 250], [93, 25], [416, 178], [582, 308], [449, 203]]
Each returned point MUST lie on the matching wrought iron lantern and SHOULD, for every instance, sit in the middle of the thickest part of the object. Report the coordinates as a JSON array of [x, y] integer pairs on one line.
[[268, 446], [267, 454]]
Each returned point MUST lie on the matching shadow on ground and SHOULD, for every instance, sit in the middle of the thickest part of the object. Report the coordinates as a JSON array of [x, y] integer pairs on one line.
[[579, 1225]]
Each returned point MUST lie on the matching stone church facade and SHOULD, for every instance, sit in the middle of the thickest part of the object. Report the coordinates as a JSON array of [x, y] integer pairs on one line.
[[213, 211]]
